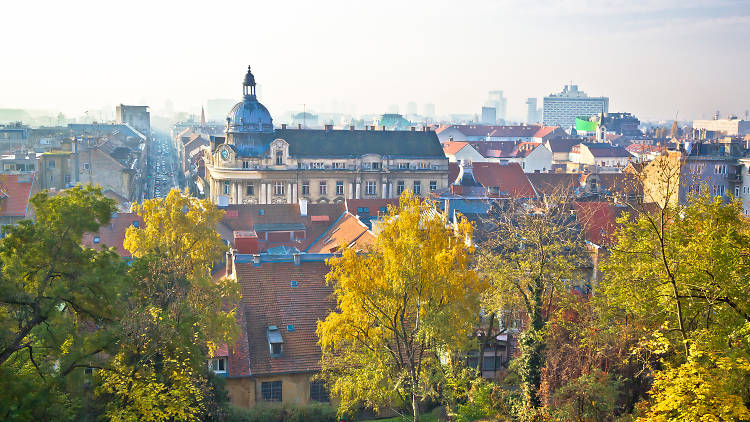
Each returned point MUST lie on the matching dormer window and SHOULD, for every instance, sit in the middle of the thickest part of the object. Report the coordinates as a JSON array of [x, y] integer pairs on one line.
[[218, 365], [279, 157], [275, 341]]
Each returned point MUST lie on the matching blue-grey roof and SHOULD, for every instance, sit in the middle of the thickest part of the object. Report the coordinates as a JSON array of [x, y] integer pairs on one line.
[[249, 116]]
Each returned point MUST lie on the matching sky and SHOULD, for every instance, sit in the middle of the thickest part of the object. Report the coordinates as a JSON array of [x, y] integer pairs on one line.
[[653, 58]]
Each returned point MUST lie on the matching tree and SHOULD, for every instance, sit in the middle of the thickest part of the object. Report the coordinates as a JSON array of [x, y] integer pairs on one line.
[[410, 300], [59, 302], [679, 274], [535, 251], [177, 313]]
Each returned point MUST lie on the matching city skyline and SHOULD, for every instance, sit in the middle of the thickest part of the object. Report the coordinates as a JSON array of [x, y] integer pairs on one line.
[[650, 58]]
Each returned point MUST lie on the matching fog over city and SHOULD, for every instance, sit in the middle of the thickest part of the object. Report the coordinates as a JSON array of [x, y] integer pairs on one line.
[[654, 58]]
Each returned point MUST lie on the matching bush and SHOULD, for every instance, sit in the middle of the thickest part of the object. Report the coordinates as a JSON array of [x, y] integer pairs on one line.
[[316, 412]]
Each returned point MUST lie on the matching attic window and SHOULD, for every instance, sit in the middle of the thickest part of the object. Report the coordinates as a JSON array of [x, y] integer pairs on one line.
[[275, 341], [96, 239], [290, 328], [218, 365], [261, 212], [294, 283], [136, 224]]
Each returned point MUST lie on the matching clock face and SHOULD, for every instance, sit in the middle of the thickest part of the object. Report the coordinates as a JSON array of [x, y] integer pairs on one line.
[[225, 154]]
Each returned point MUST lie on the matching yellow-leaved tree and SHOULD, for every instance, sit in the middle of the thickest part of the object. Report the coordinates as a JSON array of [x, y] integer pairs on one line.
[[402, 307], [177, 314]]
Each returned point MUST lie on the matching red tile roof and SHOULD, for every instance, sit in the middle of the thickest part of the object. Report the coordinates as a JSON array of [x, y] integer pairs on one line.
[[15, 192], [112, 235], [348, 230], [545, 131], [453, 147], [598, 221], [245, 217], [269, 299], [509, 178]]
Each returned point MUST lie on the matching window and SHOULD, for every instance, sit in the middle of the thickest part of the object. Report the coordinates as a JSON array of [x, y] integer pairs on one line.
[[736, 191], [323, 188], [433, 185], [305, 188], [371, 188], [271, 391], [96, 239], [226, 188], [403, 166], [317, 165], [245, 164], [417, 187], [339, 165], [279, 158], [250, 190], [318, 391], [278, 188], [376, 166], [51, 164], [85, 166], [400, 187], [422, 165], [488, 363], [218, 365], [66, 178], [276, 349], [339, 188]]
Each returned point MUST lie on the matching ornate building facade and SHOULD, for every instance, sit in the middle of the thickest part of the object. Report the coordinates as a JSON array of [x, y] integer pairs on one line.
[[253, 163]]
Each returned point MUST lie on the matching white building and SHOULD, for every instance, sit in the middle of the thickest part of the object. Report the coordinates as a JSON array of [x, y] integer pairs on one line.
[[743, 191], [730, 127], [563, 108], [458, 152]]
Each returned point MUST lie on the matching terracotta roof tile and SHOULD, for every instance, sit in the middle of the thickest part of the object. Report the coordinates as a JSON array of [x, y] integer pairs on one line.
[[112, 235], [348, 230], [270, 298], [510, 178], [452, 147], [16, 190]]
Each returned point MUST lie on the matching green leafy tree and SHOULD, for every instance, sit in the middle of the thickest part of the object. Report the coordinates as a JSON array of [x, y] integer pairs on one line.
[[412, 299], [177, 314], [59, 303], [535, 251]]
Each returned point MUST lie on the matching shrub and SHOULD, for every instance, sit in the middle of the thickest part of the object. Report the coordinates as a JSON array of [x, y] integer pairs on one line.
[[316, 412]]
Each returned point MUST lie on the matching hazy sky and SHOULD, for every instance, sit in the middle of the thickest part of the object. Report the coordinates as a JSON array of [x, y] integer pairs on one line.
[[651, 58]]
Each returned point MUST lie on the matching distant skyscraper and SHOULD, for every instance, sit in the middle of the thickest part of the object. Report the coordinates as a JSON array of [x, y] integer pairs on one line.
[[411, 108], [563, 108], [499, 102], [429, 110], [489, 115], [532, 112]]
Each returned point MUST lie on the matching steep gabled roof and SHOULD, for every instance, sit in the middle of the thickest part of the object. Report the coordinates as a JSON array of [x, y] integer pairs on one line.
[[112, 235], [509, 178], [495, 149], [17, 190], [269, 298], [347, 231], [453, 147]]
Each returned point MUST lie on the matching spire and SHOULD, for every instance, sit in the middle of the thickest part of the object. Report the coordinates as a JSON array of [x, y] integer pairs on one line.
[[203, 117]]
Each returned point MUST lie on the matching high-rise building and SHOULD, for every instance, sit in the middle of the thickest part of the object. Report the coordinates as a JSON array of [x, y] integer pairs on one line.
[[429, 110], [563, 108], [136, 116], [532, 113], [499, 102], [489, 115], [411, 108]]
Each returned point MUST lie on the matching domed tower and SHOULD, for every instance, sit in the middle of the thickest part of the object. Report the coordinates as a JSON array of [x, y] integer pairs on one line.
[[249, 115]]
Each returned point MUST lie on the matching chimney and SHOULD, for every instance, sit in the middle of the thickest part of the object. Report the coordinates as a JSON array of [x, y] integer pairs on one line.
[[329, 127], [297, 258], [372, 127], [457, 189], [283, 126], [412, 128], [246, 242], [299, 125], [229, 258], [383, 127], [303, 207], [351, 127], [424, 129]]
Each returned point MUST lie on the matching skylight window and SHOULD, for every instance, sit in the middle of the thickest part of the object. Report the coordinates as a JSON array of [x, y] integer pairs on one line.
[[275, 341]]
